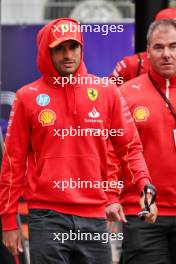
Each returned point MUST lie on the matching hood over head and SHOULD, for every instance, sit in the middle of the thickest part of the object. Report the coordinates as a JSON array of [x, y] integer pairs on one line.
[[50, 36], [167, 13]]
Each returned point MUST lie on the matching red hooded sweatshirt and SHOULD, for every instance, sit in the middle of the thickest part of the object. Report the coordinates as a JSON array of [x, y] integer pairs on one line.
[[156, 127], [37, 159]]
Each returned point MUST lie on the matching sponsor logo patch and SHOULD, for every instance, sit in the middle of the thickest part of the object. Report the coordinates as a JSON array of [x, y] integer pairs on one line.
[[92, 94], [141, 113], [93, 116], [47, 117], [94, 113], [43, 99], [33, 88], [136, 86], [65, 27]]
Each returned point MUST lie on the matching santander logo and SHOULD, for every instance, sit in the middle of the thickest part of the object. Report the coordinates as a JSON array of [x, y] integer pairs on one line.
[[94, 113]]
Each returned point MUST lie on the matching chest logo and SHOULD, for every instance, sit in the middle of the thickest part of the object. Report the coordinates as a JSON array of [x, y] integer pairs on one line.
[[64, 27], [94, 113], [141, 113], [136, 86], [92, 94], [47, 117], [43, 99]]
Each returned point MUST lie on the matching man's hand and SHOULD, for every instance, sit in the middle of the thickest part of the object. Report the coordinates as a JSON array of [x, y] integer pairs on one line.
[[152, 215], [12, 240], [115, 212]]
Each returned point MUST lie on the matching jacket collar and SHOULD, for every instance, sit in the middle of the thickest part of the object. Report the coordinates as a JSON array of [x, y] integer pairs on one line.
[[161, 81]]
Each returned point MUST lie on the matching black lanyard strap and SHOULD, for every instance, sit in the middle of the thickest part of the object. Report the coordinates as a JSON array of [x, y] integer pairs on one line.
[[171, 108], [139, 65]]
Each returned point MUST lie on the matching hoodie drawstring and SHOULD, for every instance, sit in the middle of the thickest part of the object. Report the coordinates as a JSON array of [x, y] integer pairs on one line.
[[75, 108], [67, 102], [68, 98], [167, 90]]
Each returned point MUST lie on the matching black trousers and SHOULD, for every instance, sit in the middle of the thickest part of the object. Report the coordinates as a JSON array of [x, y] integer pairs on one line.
[[56, 238], [146, 243]]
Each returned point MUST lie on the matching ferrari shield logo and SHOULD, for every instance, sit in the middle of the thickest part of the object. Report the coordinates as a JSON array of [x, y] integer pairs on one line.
[[64, 27], [92, 94]]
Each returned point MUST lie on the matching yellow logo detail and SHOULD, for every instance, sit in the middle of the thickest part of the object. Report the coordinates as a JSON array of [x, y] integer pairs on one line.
[[47, 117], [92, 94], [64, 27], [141, 113]]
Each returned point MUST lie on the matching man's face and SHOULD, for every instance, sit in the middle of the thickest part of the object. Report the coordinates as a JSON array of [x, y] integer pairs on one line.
[[162, 50], [66, 57]]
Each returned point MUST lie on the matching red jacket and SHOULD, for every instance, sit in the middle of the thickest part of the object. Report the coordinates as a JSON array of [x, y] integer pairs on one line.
[[155, 125], [36, 158], [131, 67]]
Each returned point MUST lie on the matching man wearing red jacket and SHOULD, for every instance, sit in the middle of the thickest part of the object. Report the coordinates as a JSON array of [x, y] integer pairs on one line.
[[132, 66], [56, 155], [151, 98]]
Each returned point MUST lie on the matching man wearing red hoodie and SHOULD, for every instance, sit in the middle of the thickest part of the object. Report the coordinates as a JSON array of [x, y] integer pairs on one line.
[[153, 106], [56, 155], [132, 66]]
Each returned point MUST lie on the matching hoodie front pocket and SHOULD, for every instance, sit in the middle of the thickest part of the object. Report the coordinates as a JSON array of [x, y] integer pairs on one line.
[[70, 179]]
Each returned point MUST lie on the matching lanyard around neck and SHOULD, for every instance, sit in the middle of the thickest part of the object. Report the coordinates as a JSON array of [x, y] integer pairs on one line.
[[171, 108]]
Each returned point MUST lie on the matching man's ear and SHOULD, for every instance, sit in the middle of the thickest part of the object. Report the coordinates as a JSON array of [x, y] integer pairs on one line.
[[148, 54]]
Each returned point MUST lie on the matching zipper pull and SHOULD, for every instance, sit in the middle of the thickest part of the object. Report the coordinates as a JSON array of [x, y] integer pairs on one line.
[[167, 89]]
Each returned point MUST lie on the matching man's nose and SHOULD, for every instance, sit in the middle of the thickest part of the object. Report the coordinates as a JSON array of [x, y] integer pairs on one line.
[[166, 52], [68, 53]]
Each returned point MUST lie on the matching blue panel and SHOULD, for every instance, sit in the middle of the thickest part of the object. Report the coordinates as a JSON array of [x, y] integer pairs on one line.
[[103, 52], [19, 52]]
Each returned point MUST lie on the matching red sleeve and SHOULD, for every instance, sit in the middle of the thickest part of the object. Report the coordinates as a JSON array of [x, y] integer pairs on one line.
[[126, 68], [114, 175], [120, 71], [128, 147], [14, 164]]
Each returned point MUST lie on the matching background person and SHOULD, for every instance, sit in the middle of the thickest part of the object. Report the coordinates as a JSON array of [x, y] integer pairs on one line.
[[153, 106], [132, 66]]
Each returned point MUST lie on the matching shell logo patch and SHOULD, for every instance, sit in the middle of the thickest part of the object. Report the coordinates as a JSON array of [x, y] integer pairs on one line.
[[47, 117], [92, 94], [141, 113], [43, 99]]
